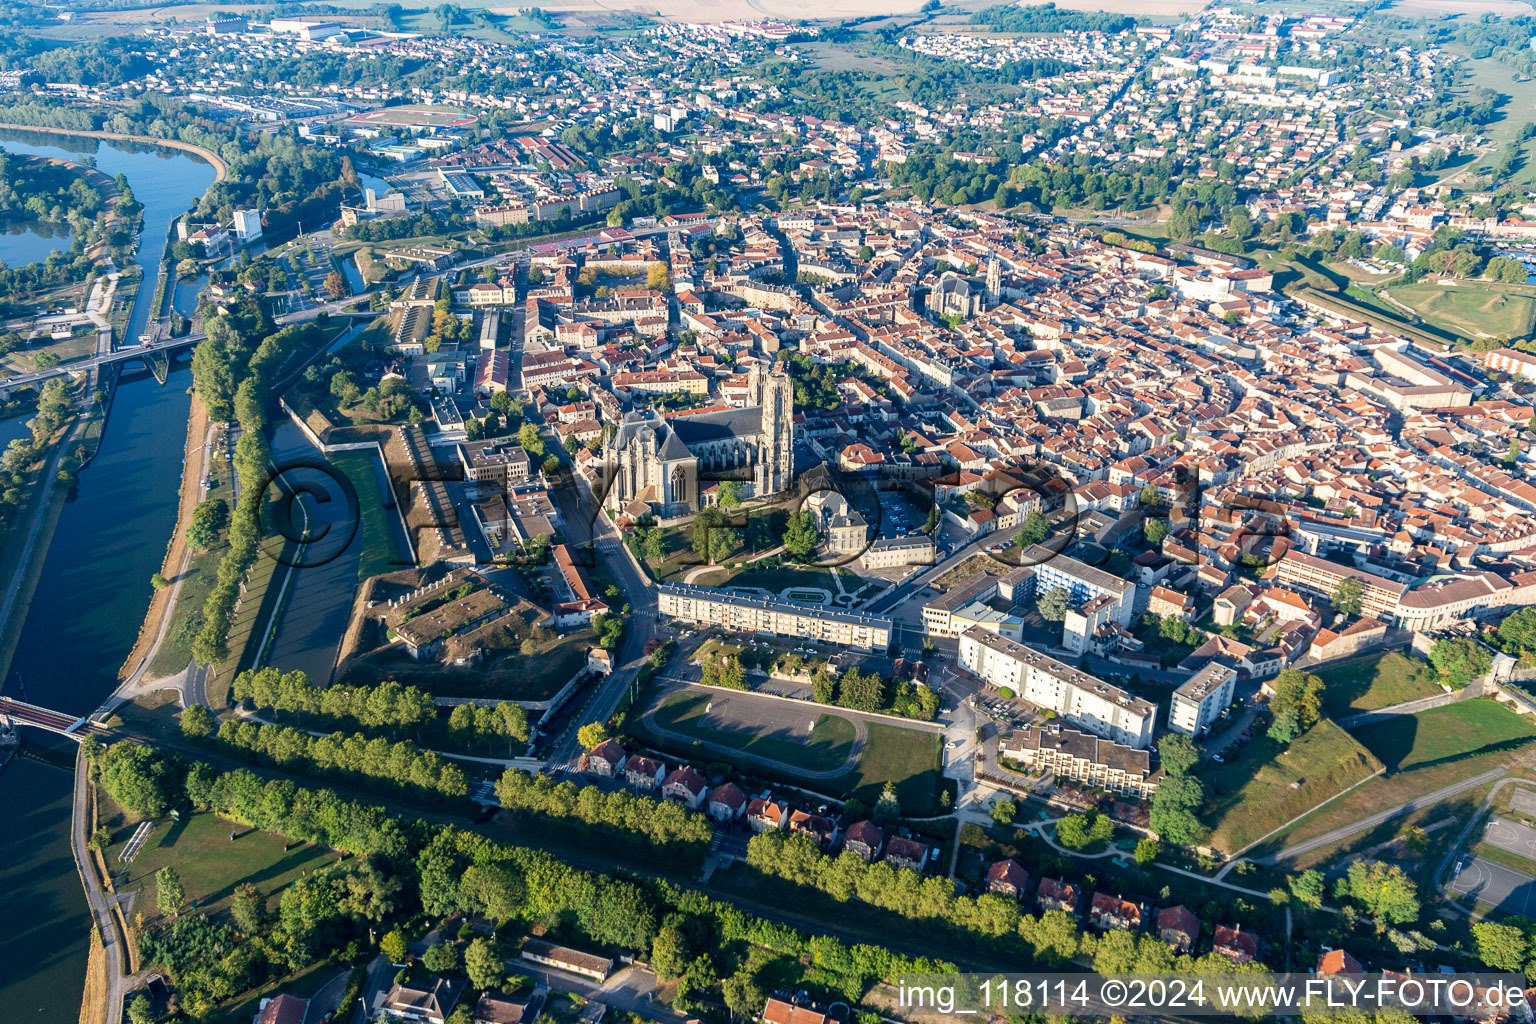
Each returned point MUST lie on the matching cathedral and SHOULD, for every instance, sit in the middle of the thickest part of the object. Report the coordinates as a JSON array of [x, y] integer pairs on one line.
[[667, 464]]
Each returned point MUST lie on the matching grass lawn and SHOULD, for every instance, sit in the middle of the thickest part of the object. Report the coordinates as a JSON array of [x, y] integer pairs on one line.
[[1472, 310], [210, 866], [1266, 786], [909, 758], [1378, 681], [381, 553], [826, 746], [1442, 734], [187, 616], [780, 577]]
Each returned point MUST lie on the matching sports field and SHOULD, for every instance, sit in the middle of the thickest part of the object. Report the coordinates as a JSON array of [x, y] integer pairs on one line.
[[808, 738]]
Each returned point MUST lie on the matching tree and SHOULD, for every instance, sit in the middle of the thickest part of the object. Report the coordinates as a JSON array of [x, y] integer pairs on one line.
[[1150, 496], [141, 1010], [1053, 604], [728, 494], [1081, 831], [210, 516], [169, 892], [801, 535], [1036, 529], [394, 946], [159, 582], [1297, 704], [1517, 633], [1155, 530], [1004, 811], [248, 907], [440, 958], [888, 807], [1308, 888], [198, 722], [743, 996], [1458, 660], [1384, 890], [669, 954], [1178, 754], [1347, 596], [824, 686], [336, 284], [592, 735], [484, 963], [1501, 946]]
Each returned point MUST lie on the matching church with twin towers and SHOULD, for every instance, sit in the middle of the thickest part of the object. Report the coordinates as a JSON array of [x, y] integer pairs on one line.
[[670, 466]]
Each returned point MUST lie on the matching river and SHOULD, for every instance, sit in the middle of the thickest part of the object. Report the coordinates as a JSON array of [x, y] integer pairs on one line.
[[31, 241], [89, 603]]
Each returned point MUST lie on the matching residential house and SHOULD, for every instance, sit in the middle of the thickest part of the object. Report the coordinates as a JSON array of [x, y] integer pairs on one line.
[[1231, 941], [1178, 927], [906, 853], [1107, 912], [606, 759], [1336, 961], [493, 1008], [686, 786], [283, 1009], [816, 826], [1054, 894], [1006, 878], [726, 802], [644, 772], [565, 958], [865, 839], [431, 1003], [783, 1011], [763, 814]]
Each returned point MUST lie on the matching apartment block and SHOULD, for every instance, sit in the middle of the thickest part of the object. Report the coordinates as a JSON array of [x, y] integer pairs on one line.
[[1070, 754], [744, 614], [1199, 702], [1084, 700]]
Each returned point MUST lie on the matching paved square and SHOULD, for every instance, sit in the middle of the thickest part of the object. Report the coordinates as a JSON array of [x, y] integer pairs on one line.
[[1497, 886]]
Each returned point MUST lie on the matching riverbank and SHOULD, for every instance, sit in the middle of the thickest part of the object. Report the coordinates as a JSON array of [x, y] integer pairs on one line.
[[220, 168], [177, 554]]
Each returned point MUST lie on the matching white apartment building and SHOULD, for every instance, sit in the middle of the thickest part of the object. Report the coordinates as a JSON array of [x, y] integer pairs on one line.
[[1084, 700], [740, 613], [1070, 754], [1082, 581], [1199, 702]]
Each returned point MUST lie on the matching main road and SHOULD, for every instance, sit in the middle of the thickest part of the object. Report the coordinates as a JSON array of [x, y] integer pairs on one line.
[[587, 526]]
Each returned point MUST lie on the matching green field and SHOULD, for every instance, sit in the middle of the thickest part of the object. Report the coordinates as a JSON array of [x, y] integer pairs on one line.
[[1445, 734], [825, 748], [210, 865], [1378, 681], [1266, 785], [380, 553], [1472, 310], [909, 758]]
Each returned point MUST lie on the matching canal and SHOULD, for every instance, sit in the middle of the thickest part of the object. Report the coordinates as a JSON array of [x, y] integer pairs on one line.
[[90, 600]]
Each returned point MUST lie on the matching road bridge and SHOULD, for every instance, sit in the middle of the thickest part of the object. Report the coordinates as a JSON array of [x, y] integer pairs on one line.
[[143, 352]]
